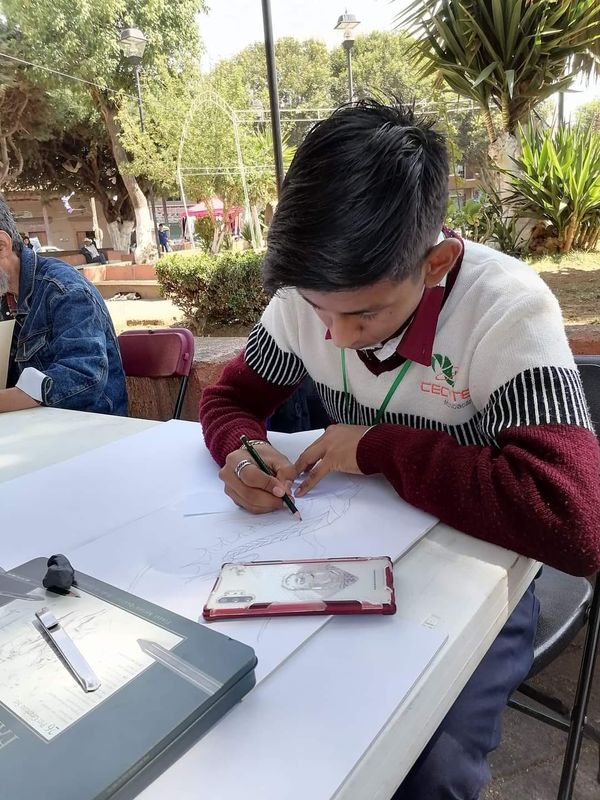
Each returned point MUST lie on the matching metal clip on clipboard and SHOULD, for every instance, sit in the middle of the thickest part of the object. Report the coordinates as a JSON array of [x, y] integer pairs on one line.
[[68, 650]]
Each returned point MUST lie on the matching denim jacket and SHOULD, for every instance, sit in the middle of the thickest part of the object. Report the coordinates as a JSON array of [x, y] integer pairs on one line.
[[62, 329]]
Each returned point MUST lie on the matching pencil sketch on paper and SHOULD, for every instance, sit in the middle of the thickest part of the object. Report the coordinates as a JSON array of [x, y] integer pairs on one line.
[[237, 536]]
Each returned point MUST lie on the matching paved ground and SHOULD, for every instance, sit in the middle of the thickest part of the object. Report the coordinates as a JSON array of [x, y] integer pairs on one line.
[[527, 764], [137, 313]]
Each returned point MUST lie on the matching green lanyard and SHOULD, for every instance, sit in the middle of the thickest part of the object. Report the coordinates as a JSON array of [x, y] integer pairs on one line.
[[392, 390]]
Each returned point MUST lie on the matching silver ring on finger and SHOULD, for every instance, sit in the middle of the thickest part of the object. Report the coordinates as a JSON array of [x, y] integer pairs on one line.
[[242, 465]]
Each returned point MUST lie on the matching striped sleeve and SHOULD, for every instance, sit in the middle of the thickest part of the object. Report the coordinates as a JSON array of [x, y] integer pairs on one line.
[[270, 361], [522, 372], [537, 396]]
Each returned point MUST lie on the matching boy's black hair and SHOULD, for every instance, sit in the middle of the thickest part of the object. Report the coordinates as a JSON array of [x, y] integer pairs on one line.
[[364, 199]]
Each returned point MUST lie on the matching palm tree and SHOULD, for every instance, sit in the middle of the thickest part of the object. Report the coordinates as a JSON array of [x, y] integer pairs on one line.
[[507, 55]]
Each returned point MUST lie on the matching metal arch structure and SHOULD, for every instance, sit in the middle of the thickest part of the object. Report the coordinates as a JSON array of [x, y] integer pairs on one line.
[[209, 97]]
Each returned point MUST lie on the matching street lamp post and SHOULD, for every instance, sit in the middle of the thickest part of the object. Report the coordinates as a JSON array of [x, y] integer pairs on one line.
[[347, 23], [133, 44], [273, 92]]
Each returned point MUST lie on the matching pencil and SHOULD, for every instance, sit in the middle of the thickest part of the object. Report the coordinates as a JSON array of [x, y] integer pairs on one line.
[[267, 469]]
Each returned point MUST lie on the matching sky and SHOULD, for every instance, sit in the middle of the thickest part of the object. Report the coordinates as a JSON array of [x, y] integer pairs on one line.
[[232, 24]]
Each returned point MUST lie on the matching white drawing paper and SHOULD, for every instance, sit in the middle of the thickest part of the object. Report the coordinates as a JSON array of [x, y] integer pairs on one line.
[[85, 497], [134, 535], [208, 501], [314, 711], [173, 560]]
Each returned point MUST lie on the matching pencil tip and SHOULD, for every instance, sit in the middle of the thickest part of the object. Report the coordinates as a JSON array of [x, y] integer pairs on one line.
[[297, 516]]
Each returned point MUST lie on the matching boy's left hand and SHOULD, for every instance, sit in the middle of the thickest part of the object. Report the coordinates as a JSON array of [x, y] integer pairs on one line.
[[334, 451]]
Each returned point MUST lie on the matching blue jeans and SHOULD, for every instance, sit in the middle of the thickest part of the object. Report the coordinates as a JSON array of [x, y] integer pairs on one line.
[[453, 765]]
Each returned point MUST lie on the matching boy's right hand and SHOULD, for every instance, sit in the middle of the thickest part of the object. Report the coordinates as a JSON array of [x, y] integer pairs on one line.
[[249, 487]]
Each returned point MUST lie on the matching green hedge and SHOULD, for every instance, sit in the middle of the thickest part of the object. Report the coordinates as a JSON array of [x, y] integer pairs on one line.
[[214, 291]]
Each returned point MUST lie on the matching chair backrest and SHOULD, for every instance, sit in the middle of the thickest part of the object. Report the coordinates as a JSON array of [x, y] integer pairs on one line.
[[157, 353], [589, 369]]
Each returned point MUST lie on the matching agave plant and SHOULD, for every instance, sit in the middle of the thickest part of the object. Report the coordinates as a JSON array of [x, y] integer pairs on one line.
[[489, 220], [558, 180], [504, 54]]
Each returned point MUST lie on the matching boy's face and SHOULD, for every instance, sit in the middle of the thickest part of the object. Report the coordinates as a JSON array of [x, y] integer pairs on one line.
[[360, 318], [364, 317]]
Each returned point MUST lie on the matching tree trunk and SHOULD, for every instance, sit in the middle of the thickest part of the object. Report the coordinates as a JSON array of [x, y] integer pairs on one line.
[[567, 243], [257, 227], [502, 152], [98, 232], [145, 249], [489, 125], [120, 234]]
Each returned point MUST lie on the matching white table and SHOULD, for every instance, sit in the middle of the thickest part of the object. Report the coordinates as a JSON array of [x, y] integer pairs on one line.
[[464, 585]]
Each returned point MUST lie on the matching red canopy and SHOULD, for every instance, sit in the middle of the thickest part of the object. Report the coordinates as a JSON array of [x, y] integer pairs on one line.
[[200, 209]]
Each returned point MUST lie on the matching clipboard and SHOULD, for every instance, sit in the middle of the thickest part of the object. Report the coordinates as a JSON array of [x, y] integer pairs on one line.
[[165, 681], [313, 586]]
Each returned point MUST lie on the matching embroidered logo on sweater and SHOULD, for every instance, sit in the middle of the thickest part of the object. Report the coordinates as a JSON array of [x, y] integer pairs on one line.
[[444, 369], [444, 384]]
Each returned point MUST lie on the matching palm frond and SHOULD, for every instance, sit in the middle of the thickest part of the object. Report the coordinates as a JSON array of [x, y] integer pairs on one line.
[[510, 53]]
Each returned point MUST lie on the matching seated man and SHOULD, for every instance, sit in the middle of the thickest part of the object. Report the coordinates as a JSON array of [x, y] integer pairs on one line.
[[91, 253], [64, 348], [445, 365]]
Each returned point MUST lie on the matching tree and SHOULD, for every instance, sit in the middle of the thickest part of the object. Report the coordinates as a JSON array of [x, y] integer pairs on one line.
[[80, 159], [209, 155], [75, 155], [303, 75], [22, 108], [508, 56], [82, 39], [167, 100], [381, 66], [559, 181], [304, 82], [21, 120], [588, 115]]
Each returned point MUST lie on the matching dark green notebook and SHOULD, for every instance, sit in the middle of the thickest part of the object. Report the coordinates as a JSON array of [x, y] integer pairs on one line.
[[165, 681]]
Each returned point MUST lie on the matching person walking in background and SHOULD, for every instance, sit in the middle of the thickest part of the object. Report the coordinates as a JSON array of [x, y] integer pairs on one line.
[[163, 238]]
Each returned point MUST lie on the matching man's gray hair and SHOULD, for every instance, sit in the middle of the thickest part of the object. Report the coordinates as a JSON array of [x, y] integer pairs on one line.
[[8, 225]]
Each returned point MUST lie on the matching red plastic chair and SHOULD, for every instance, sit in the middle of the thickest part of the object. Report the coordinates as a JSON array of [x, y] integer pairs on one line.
[[159, 353]]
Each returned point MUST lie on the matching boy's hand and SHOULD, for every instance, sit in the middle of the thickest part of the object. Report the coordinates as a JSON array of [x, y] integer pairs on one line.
[[334, 451], [249, 487]]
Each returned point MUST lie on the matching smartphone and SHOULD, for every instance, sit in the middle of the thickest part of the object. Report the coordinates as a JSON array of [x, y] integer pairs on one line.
[[317, 586]]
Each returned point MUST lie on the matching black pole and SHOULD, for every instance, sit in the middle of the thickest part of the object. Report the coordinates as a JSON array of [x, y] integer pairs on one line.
[[273, 92], [580, 703], [348, 46], [138, 86]]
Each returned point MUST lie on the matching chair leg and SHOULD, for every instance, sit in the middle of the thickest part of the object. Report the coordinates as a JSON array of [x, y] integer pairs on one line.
[[548, 700], [180, 397], [582, 696]]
